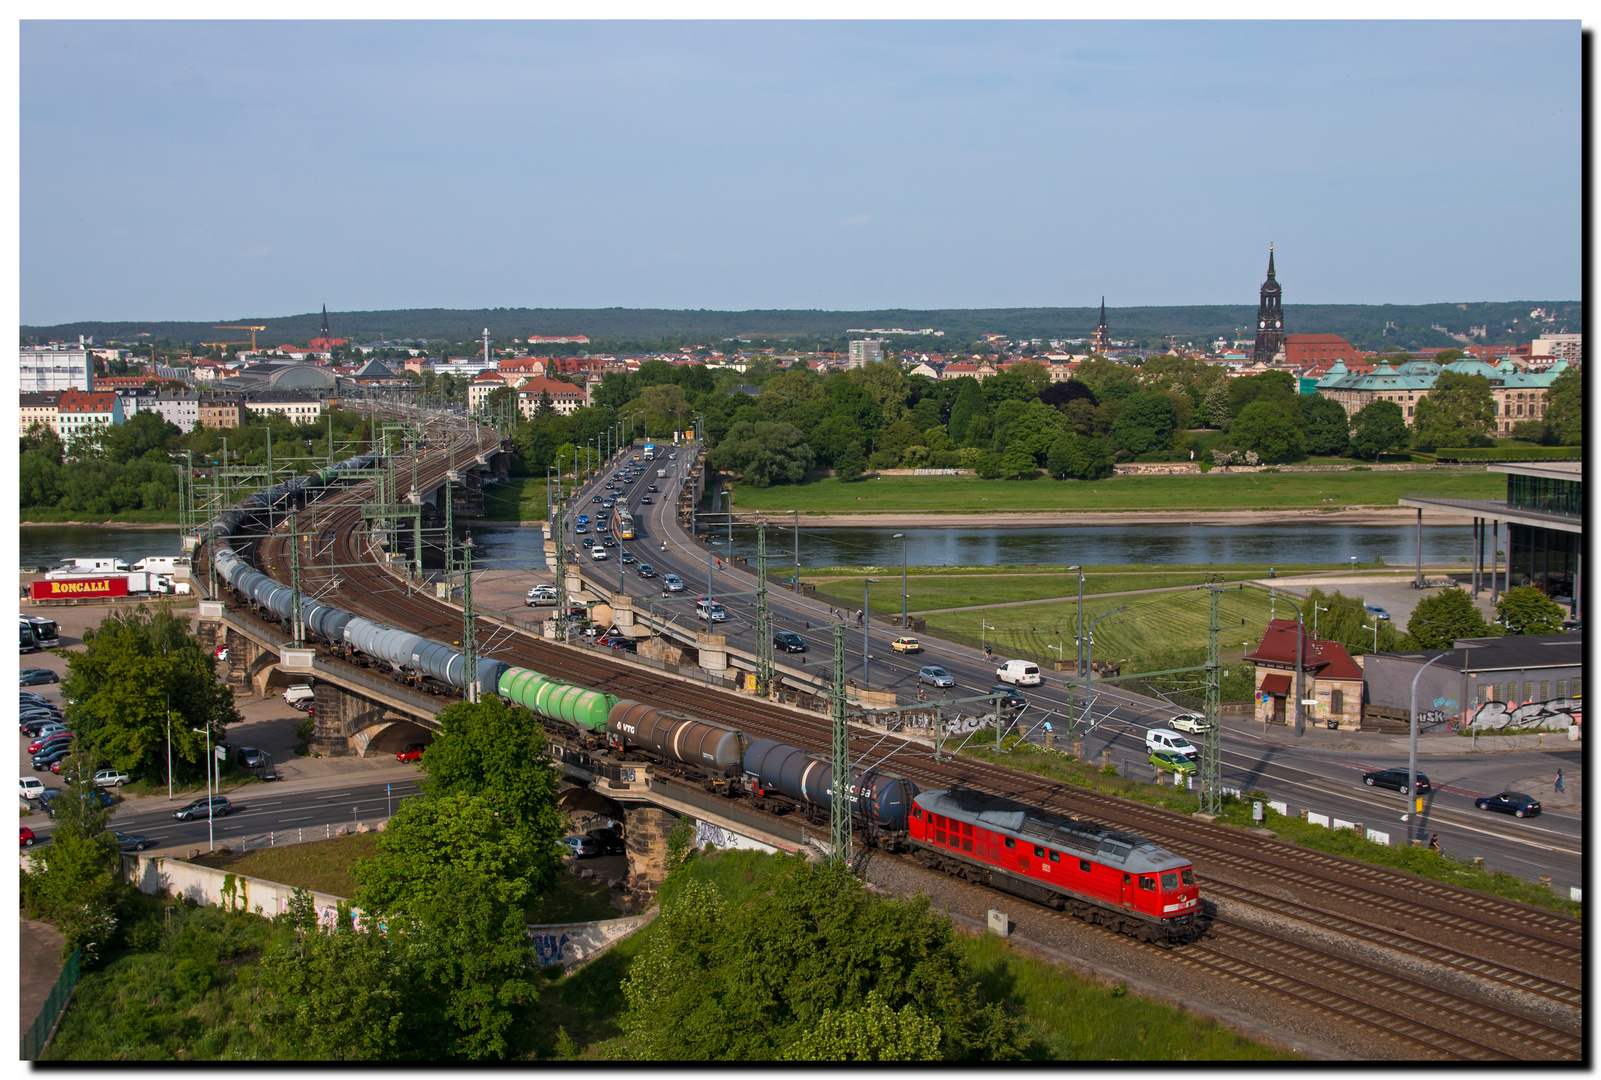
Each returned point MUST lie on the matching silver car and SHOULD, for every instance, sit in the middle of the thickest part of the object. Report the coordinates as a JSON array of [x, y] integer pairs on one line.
[[935, 675]]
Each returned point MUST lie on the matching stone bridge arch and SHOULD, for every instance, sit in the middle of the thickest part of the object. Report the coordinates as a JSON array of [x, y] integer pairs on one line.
[[390, 737]]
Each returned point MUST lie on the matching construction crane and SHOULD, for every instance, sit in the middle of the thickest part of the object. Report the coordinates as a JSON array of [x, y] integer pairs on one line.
[[252, 330]]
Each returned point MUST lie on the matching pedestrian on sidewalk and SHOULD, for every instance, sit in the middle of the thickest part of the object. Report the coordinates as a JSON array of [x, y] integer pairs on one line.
[[1559, 783], [1434, 842]]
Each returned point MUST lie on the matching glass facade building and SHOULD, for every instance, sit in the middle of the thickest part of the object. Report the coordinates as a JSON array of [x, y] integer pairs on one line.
[[1546, 494]]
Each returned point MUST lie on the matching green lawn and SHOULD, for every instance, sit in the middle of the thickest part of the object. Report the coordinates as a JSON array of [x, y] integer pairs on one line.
[[1154, 623], [1213, 491], [318, 865], [930, 588], [522, 498], [50, 515]]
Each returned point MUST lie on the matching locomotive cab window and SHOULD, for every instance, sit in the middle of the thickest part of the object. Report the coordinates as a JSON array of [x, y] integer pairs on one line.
[[917, 812], [1170, 881], [1084, 865], [1010, 842], [1056, 856], [1039, 852], [1188, 876], [1147, 883]]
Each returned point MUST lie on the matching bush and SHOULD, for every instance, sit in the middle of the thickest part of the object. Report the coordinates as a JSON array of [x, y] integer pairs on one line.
[[1496, 453]]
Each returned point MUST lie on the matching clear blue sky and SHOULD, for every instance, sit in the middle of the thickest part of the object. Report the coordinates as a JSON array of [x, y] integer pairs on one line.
[[217, 170]]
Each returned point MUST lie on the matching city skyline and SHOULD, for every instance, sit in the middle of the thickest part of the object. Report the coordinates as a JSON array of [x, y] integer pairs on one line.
[[188, 170]]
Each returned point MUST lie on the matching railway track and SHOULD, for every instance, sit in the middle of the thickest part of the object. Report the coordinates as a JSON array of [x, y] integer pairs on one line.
[[1489, 938]]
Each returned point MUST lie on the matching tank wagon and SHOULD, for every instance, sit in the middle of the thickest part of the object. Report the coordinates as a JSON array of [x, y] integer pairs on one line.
[[1117, 879]]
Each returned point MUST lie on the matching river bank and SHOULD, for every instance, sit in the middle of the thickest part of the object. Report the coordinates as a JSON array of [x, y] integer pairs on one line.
[[108, 523], [953, 519]]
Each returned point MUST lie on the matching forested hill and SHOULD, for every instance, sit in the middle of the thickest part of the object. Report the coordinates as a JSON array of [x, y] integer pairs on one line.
[[1371, 326]]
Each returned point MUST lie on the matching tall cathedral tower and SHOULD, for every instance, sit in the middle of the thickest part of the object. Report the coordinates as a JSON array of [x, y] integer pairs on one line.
[[1269, 317], [324, 331], [1101, 340]]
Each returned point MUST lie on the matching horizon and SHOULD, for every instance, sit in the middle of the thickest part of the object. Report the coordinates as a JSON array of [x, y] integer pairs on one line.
[[191, 167]]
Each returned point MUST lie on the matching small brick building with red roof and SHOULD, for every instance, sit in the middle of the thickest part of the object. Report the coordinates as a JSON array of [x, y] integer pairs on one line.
[[1333, 679]]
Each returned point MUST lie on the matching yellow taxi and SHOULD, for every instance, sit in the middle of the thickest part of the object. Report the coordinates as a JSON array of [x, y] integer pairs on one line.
[[906, 644]]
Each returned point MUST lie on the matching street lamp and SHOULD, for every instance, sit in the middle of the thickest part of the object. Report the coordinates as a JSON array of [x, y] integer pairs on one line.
[[1414, 801], [865, 618], [902, 538], [1300, 663], [211, 809], [797, 548], [1315, 609], [1078, 660]]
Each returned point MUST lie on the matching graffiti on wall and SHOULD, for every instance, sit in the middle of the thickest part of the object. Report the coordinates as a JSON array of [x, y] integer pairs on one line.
[[1428, 718], [550, 948], [1501, 715]]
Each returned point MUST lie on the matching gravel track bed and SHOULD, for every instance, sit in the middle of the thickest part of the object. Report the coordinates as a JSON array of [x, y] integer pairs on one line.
[[1101, 954]]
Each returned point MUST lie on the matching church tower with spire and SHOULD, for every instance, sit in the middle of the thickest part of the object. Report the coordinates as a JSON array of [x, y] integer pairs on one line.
[[1101, 340], [323, 333], [1269, 317]]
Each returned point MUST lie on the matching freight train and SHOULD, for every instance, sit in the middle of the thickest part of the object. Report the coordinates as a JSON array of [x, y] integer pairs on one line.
[[1117, 879]]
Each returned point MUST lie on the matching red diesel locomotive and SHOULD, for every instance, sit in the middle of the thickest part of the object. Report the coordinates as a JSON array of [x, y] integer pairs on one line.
[[1117, 879]]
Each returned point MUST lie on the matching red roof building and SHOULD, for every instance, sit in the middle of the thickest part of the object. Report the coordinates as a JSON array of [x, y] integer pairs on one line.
[[1332, 679], [1304, 349], [565, 398]]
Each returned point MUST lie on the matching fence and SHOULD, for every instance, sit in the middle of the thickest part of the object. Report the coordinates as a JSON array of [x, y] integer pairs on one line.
[[35, 1038]]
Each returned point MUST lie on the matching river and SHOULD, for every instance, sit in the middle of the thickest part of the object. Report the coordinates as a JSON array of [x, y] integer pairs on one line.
[[1091, 545]]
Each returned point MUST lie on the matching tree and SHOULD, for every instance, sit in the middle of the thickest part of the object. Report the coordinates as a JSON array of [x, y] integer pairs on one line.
[[1345, 619], [1268, 427], [747, 982], [1017, 462], [1442, 619], [968, 404], [664, 404], [871, 1032], [764, 453], [1145, 423], [988, 465], [1328, 429], [137, 436], [1268, 385], [831, 438], [1214, 411], [455, 875], [1535, 431], [1058, 395], [1078, 457], [135, 665], [1377, 428], [850, 464], [497, 751], [1564, 406], [73, 886], [1458, 410], [1527, 610]]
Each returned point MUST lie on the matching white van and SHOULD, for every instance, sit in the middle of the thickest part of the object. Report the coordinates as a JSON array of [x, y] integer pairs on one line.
[[1019, 673], [711, 611], [300, 696], [1163, 739], [30, 787]]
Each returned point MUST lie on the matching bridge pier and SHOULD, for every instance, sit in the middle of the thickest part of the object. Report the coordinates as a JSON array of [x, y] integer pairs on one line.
[[713, 650], [645, 833], [351, 724]]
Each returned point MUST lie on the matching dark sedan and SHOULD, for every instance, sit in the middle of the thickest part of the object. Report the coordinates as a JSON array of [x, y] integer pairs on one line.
[[126, 842], [1510, 802], [1010, 698], [646, 499], [789, 641], [647, 570], [1395, 780], [214, 807], [34, 676], [610, 843]]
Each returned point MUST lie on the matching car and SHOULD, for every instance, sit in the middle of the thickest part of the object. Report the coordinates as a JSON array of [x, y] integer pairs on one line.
[[789, 641], [49, 741], [646, 500], [412, 752], [1019, 673], [608, 541], [607, 504], [1376, 611], [710, 610], [28, 713], [47, 730], [595, 499], [672, 583], [28, 839], [587, 541], [1395, 780], [583, 519], [1509, 802], [130, 842], [1190, 723], [646, 570], [627, 556], [217, 806], [906, 645], [540, 594], [581, 847], [250, 757], [30, 787], [98, 797], [580, 529], [610, 843], [35, 675], [1157, 739], [1172, 761], [935, 675], [1009, 696], [111, 778], [652, 488], [599, 554], [610, 486]]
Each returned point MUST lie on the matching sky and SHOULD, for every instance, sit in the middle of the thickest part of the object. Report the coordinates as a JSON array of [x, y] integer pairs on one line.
[[217, 170]]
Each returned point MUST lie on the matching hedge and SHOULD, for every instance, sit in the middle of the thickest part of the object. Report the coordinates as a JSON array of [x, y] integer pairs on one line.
[[1531, 453]]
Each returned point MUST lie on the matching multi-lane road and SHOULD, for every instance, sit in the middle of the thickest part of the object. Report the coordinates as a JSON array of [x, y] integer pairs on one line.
[[1307, 772]]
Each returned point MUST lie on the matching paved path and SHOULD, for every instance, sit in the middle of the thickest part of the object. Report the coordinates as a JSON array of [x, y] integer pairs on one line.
[[39, 962]]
